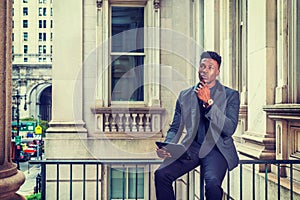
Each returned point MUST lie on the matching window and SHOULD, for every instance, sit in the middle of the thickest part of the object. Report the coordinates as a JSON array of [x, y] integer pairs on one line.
[[25, 11], [25, 49], [51, 11], [51, 36], [127, 183], [25, 23], [44, 49], [42, 37], [13, 37], [13, 12], [51, 49], [40, 11], [127, 53], [25, 36], [44, 11], [25, 1], [51, 23], [42, 24], [40, 49], [25, 59]]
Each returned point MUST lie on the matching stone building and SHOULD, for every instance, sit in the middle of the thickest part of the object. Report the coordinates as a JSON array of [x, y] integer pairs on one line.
[[118, 67], [32, 57]]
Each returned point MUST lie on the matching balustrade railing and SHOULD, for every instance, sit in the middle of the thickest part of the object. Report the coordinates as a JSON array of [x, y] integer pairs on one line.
[[125, 120]]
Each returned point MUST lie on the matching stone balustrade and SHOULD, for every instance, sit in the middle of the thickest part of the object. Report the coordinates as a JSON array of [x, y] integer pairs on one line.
[[129, 120]]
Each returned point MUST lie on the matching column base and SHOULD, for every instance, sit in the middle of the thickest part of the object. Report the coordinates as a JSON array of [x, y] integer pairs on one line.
[[67, 127], [11, 184], [258, 146]]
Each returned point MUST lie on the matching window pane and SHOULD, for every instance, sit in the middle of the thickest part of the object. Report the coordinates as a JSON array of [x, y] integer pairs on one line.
[[136, 183], [25, 23], [118, 183], [40, 11], [127, 78], [127, 29], [25, 49], [25, 11], [25, 36]]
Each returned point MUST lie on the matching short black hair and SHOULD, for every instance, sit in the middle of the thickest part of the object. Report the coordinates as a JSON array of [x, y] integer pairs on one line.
[[212, 55]]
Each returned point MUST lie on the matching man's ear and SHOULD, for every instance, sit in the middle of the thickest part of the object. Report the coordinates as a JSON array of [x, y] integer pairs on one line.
[[218, 72]]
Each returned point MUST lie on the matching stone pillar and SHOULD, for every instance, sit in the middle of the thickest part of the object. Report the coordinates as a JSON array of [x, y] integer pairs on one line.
[[10, 178], [259, 137], [67, 69]]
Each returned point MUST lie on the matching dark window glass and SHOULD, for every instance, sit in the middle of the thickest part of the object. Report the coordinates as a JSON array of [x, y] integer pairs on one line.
[[127, 29], [127, 78], [25, 23], [127, 71]]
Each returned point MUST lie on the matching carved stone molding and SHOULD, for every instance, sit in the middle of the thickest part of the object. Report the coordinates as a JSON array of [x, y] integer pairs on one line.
[[156, 4], [99, 3]]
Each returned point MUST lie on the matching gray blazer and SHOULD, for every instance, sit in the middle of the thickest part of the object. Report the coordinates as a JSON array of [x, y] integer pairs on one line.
[[223, 117]]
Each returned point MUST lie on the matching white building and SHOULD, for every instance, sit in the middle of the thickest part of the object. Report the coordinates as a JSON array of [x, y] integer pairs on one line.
[[32, 56]]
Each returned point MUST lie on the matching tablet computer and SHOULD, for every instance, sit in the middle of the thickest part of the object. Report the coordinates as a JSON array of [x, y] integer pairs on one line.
[[176, 150]]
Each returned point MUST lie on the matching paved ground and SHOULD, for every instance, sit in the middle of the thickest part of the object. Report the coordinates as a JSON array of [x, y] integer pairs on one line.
[[30, 172]]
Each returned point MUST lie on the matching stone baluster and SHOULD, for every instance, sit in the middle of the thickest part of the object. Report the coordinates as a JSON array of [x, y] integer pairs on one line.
[[134, 124], [147, 123], [113, 123], [141, 122], [106, 123], [119, 122], [127, 123]]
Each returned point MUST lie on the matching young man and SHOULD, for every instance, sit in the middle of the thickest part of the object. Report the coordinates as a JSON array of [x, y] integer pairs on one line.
[[209, 112]]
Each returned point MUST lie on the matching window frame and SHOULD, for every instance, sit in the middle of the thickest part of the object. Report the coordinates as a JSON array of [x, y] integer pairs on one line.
[[135, 170], [119, 54], [25, 36], [25, 11], [152, 96], [25, 23]]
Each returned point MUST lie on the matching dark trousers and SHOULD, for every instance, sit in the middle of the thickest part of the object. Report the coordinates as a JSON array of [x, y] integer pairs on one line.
[[213, 166]]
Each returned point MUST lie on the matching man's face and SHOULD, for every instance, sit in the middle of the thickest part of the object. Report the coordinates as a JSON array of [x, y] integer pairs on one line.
[[208, 71]]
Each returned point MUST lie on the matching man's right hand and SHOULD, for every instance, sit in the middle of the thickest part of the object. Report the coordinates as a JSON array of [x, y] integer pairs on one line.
[[162, 153]]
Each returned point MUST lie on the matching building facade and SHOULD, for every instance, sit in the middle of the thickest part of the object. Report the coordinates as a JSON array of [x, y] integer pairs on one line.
[[32, 57], [118, 67]]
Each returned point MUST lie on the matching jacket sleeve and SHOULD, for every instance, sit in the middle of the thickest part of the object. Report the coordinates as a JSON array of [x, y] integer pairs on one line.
[[225, 122], [174, 132]]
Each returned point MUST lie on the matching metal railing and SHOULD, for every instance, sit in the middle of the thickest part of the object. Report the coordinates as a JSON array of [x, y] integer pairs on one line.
[[262, 168]]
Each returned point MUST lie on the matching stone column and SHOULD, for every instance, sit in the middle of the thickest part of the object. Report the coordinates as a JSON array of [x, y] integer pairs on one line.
[[10, 178], [261, 79]]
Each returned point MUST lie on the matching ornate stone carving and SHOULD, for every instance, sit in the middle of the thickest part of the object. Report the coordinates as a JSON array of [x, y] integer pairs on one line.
[[99, 3], [156, 4]]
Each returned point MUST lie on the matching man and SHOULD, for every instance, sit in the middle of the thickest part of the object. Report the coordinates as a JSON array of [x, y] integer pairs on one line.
[[209, 112]]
